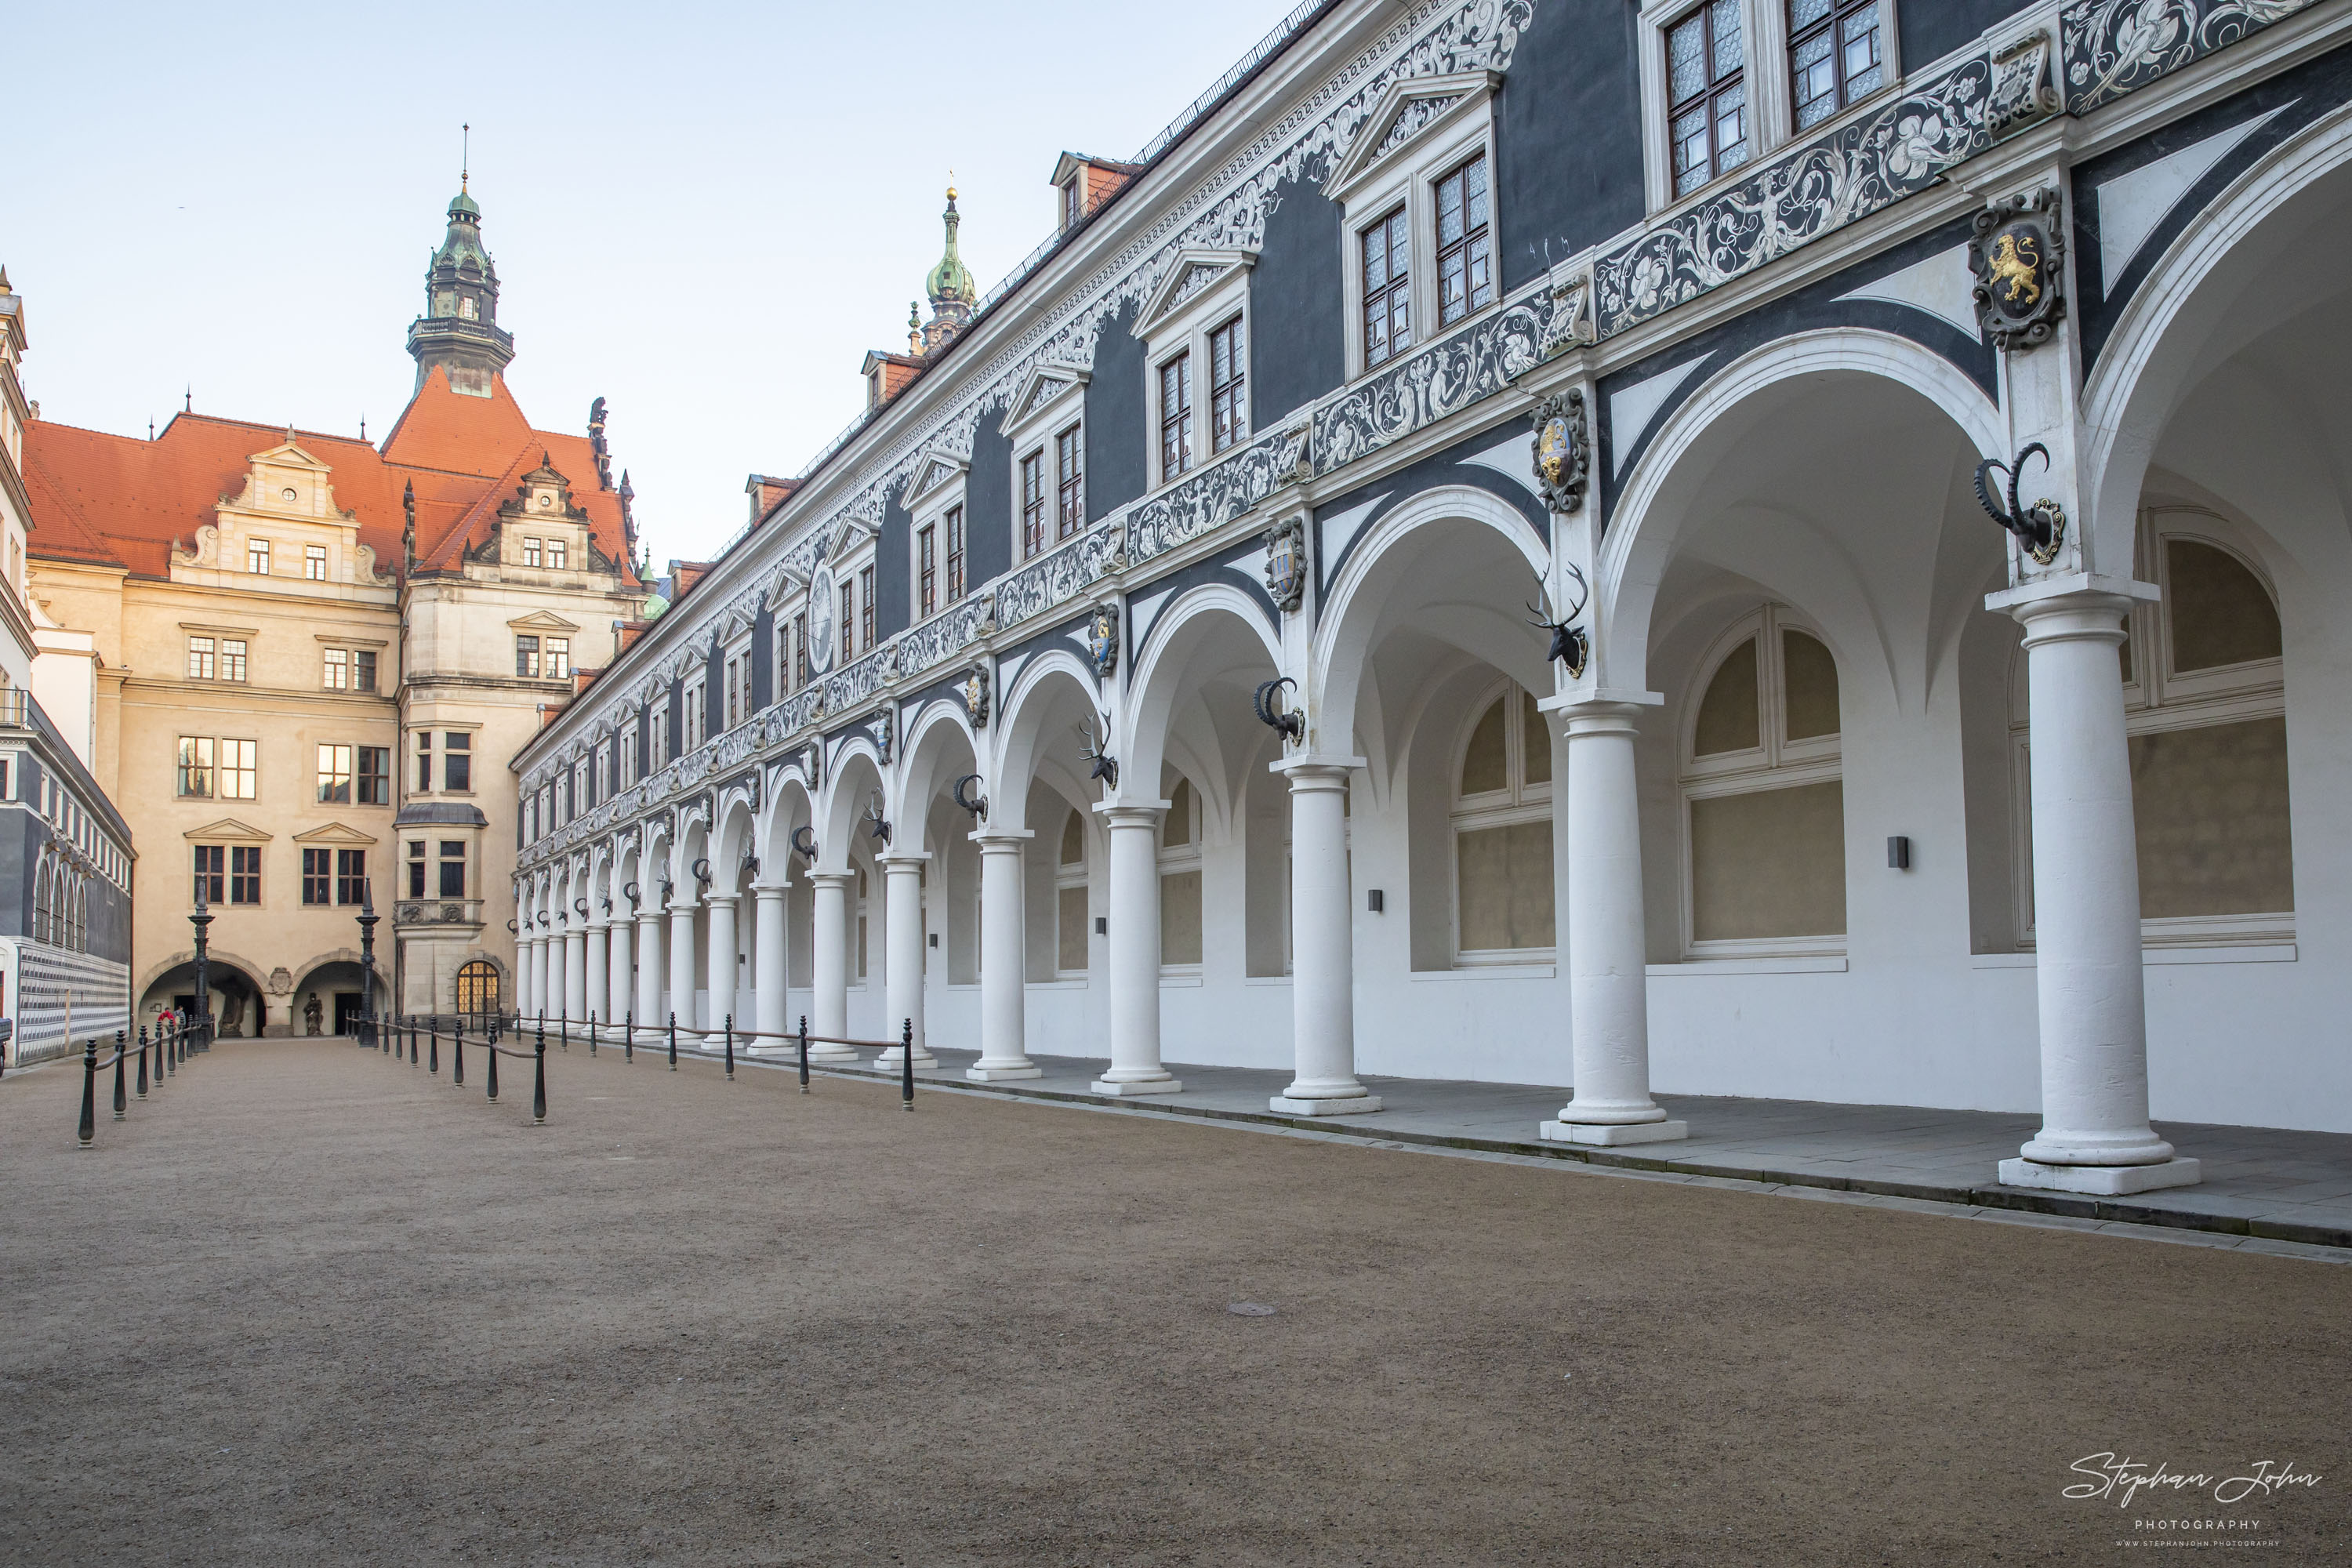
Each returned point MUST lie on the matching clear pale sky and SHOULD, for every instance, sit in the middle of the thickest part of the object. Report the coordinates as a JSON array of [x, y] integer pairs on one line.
[[705, 213]]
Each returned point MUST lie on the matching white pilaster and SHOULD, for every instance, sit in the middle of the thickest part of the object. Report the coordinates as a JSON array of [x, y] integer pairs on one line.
[[721, 981], [1322, 945], [1134, 954], [1608, 1005], [1003, 960], [829, 956], [902, 975], [2095, 1136], [768, 967]]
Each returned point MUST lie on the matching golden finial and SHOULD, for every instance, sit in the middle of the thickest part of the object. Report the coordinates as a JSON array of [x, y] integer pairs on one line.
[[950, 184]]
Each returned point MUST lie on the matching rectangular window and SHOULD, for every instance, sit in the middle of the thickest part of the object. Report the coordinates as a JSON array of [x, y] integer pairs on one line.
[[211, 885], [1706, 92], [339, 669], [424, 762], [1466, 250], [351, 876], [530, 551], [866, 606], [1387, 289], [558, 658], [452, 869], [314, 562], [955, 553], [555, 555], [318, 876], [457, 762], [200, 658], [849, 620], [1071, 209], [800, 649], [1833, 56], [232, 658], [1070, 475], [195, 765], [927, 572], [1033, 504], [237, 775], [257, 557], [244, 874], [364, 669], [1228, 397], [375, 775], [734, 692], [1175, 416], [416, 867], [526, 659], [335, 775]]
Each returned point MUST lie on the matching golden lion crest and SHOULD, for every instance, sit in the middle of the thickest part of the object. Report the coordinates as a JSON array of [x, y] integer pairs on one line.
[[2015, 270]]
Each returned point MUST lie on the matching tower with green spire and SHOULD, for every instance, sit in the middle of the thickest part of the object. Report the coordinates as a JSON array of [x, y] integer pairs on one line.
[[954, 292], [459, 330]]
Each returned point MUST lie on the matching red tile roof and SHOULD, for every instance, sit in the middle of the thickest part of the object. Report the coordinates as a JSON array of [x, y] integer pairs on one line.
[[121, 500]]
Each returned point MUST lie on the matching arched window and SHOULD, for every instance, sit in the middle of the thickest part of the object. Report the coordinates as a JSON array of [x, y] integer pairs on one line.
[[41, 895], [477, 988], [2205, 714], [1502, 834], [1763, 795], [1180, 879], [1070, 897]]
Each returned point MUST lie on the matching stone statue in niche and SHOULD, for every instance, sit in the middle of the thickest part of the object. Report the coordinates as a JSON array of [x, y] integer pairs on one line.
[[311, 1015]]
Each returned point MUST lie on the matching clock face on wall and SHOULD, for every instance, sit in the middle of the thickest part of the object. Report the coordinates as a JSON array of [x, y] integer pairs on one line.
[[820, 620]]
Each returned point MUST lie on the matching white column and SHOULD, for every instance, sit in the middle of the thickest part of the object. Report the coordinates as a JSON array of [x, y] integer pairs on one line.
[[1608, 955], [618, 985], [681, 966], [597, 989], [1322, 945], [768, 968], [650, 968], [551, 1003], [721, 981], [575, 972], [1003, 960], [1134, 954], [2094, 1135], [530, 978], [902, 961], [829, 956]]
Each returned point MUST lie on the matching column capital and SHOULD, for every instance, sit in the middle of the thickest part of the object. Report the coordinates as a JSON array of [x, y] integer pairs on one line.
[[833, 878], [1317, 770], [2076, 604], [1000, 838], [912, 859], [770, 890], [715, 900], [1132, 812]]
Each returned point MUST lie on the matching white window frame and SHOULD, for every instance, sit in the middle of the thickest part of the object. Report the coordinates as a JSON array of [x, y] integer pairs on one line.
[[1170, 327], [1078, 875], [1177, 859], [943, 483], [1771, 92], [1516, 803], [1775, 763], [1051, 401], [1370, 185]]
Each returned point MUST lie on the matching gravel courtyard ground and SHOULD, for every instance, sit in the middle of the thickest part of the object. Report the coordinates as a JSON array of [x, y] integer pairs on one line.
[[309, 1306]]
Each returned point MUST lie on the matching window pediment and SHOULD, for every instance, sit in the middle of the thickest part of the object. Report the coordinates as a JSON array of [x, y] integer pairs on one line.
[[1195, 276], [1409, 112], [541, 621], [938, 474], [1047, 390], [333, 833], [228, 829]]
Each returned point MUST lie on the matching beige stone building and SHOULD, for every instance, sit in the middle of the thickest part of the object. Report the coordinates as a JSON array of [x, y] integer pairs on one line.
[[313, 658]]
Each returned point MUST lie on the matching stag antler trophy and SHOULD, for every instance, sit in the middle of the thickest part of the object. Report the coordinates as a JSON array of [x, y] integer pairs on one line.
[[878, 826], [1570, 643], [1105, 767]]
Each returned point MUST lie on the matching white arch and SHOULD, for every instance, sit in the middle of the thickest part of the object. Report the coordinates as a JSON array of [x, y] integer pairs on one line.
[[1153, 693], [1637, 547], [936, 726], [1017, 727], [852, 775]]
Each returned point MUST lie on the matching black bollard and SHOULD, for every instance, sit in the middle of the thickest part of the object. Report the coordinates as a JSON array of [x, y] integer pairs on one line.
[[89, 1091], [562, 1030], [120, 1102], [591, 1032], [493, 1054], [538, 1086], [673, 1042], [413, 1059], [629, 1036], [432, 1047], [730, 1047], [906, 1065], [804, 1053], [543, 1033], [143, 1063], [458, 1055], [167, 1042]]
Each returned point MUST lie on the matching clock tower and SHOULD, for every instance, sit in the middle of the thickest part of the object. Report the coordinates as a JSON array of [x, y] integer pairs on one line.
[[459, 331]]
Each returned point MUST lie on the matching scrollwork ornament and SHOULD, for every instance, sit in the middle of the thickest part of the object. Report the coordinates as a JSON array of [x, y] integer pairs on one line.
[[1563, 451], [2018, 254], [2023, 89]]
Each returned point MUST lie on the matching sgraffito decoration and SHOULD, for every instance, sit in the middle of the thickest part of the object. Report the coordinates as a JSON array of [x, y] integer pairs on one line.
[[1563, 451], [2022, 91], [2113, 46], [1449, 374], [1286, 563], [2016, 255]]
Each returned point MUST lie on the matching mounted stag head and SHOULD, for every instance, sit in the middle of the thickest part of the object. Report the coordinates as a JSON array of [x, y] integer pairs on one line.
[[804, 841], [2040, 527], [1106, 768], [877, 826], [1288, 722], [1570, 643], [978, 807]]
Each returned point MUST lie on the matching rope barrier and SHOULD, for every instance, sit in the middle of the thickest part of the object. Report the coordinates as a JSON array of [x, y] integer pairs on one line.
[[171, 1046]]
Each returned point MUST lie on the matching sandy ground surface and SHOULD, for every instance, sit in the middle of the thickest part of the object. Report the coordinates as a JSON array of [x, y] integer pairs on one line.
[[310, 1307]]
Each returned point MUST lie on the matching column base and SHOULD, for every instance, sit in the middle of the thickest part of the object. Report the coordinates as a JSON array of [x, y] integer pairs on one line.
[[1355, 1105], [2103, 1180], [892, 1061], [986, 1074], [1613, 1133], [833, 1055], [1129, 1087]]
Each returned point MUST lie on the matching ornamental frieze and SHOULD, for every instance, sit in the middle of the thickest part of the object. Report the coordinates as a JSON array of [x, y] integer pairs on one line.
[[2113, 46], [1215, 496], [1053, 579], [1441, 379]]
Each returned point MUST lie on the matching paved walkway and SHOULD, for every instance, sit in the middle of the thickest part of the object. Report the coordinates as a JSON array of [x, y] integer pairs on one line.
[[2259, 1182]]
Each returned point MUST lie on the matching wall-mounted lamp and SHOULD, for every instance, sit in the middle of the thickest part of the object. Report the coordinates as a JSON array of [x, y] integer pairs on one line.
[[1899, 853], [1376, 900]]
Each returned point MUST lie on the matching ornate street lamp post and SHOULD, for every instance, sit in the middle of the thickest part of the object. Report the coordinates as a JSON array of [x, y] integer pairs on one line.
[[367, 918], [200, 919]]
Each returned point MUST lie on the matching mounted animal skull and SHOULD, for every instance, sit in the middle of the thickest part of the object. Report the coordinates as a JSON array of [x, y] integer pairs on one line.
[[2039, 528], [1570, 643], [1289, 721], [804, 841], [1106, 768], [978, 807]]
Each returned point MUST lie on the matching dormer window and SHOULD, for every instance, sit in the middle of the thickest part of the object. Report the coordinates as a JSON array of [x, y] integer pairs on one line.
[[314, 562], [530, 548], [1073, 202], [555, 555], [257, 557]]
